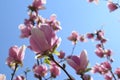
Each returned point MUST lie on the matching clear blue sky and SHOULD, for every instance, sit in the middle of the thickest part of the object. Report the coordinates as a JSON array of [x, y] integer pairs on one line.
[[76, 15]]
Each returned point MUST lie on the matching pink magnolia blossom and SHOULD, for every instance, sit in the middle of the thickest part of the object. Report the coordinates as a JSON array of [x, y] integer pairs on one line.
[[90, 35], [55, 70], [98, 45], [82, 38], [16, 55], [20, 78], [74, 37], [108, 77], [87, 77], [96, 69], [25, 30], [102, 68], [117, 72], [43, 39], [96, 1], [40, 70], [53, 22], [108, 52], [62, 54], [99, 52], [112, 6], [106, 65], [38, 4], [79, 63], [100, 35], [2, 77]]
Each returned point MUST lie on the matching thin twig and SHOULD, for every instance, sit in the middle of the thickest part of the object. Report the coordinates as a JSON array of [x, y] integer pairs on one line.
[[113, 75], [108, 58], [82, 77], [38, 63], [16, 65], [52, 58], [73, 49]]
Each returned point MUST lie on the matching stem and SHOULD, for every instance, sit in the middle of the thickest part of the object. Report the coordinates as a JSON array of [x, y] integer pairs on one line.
[[108, 58], [16, 65], [113, 75], [82, 77], [25, 74], [38, 63], [73, 49], [52, 58], [40, 78]]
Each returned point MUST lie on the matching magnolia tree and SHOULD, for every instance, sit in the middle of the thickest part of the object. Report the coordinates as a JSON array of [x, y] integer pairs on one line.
[[43, 41]]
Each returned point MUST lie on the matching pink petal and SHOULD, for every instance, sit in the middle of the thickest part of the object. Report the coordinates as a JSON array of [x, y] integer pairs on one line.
[[13, 51], [53, 17], [38, 41], [83, 60], [73, 62], [2, 77], [21, 52]]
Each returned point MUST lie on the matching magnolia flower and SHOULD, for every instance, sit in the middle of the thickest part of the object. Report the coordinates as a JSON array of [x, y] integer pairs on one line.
[[100, 35], [53, 22], [79, 63], [38, 4], [108, 52], [96, 1], [87, 77], [98, 45], [106, 65], [25, 30], [16, 55], [74, 37], [40, 70], [90, 35], [20, 78], [112, 6], [82, 38], [117, 72], [43, 39], [54, 69], [108, 77], [102, 68], [2, 77], [99, 52], [62, 54], [96, 69]]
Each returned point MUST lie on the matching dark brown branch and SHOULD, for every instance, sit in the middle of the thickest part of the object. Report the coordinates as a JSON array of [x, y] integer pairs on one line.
[[52, 58], [16, 65]]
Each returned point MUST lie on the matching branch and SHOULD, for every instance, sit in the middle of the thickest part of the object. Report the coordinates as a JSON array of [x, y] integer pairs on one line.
[[38, 63], [16, 65], [52, 58]]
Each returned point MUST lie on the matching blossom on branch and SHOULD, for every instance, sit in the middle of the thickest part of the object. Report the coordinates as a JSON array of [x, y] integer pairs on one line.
[[16, 55], [53, 22], [117, 72], [74, 37], [79, 63], [2, 77], [40, 70], [95, 1], [43, 39], [112, 6], [54, 70]]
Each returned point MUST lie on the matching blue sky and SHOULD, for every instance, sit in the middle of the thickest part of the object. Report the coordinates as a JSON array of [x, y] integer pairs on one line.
[[78, 15]]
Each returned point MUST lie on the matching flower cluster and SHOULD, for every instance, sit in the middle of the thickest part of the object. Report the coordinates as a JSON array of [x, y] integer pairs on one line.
[[43, 41], [112, 6]]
